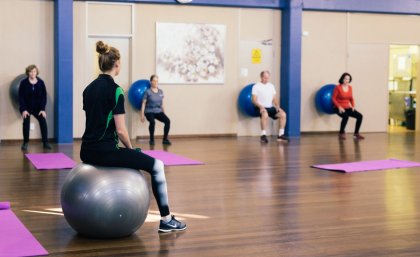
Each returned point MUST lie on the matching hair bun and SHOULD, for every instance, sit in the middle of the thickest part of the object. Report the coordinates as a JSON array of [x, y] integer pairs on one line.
[[101, 48]]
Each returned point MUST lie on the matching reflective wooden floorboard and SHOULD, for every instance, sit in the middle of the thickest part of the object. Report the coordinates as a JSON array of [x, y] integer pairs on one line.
[[247, 200]]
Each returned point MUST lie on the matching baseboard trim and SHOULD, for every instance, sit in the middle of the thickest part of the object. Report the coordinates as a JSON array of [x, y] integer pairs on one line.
[[15, 141], [191, 136], [53, 140], [336, 132]]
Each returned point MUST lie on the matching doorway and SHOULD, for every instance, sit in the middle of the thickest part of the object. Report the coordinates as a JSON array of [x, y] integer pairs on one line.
[[402, 87], [124, 46]]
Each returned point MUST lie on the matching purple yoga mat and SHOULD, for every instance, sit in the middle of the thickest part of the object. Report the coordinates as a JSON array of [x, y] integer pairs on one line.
[[15, 238], [170, 159], [4, 205], [368, 165], [50, 161]]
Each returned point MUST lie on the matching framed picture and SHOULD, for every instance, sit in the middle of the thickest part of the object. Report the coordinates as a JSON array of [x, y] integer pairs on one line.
[[190, 53]]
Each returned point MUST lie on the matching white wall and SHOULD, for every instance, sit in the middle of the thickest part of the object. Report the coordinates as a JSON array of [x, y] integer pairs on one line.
[[337, 42], [324, 59], [358, 44], [193, 109], [26, 37], [252, 36]]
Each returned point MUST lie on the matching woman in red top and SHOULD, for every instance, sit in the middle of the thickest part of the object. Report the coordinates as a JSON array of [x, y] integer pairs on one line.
[[344, 106]]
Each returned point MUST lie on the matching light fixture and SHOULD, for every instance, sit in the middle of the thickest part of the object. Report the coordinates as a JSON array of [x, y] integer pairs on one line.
[[184, 1]]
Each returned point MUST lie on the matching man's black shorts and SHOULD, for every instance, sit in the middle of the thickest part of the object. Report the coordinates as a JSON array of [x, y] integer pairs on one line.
[[272, 112]]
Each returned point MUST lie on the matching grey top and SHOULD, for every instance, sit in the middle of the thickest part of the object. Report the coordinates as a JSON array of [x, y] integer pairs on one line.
[[153, 101]]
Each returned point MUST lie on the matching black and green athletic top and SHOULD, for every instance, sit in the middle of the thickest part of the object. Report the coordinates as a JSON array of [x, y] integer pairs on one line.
[[102, 99]]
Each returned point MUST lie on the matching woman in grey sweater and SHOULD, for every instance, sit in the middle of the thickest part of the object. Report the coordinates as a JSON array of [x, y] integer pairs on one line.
[[152, 108]]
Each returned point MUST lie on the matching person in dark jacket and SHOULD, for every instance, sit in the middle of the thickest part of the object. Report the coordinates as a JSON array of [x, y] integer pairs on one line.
[[32, 101]]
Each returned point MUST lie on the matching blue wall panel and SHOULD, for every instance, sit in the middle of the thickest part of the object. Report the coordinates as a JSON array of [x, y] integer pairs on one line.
[[370, 6], [273, 4], [63, 37], [373, 6], [290, 81]]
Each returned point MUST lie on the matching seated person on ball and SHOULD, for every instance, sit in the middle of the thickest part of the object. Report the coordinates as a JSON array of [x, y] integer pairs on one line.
[[265, 100], [103, 103]]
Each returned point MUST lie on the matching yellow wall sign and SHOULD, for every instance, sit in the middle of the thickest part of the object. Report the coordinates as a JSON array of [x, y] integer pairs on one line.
[[256, 56]]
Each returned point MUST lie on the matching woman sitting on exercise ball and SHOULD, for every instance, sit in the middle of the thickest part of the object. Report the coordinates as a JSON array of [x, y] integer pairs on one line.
[[103, 103]]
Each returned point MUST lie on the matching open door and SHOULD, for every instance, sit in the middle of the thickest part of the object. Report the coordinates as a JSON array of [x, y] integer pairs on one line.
[[402, 87]]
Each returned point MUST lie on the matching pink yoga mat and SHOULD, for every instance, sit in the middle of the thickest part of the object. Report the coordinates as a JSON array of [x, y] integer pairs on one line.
[[368, 165], [15, 238], [4, 206], [170, 159], [50, 161]]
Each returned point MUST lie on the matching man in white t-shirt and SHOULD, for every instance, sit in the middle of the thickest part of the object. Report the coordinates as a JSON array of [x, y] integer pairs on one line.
[[265, 100]]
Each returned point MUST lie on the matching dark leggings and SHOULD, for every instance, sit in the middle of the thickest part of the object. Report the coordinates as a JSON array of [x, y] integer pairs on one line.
[[42, 125], [129, 158], [345, 117], [160, 117]]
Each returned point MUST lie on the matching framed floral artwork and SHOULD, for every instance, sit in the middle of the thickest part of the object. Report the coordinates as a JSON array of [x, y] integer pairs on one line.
[[190, 53]]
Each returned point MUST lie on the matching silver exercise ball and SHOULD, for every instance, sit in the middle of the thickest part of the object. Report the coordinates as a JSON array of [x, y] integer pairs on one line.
[[105, 202], [14, 90]]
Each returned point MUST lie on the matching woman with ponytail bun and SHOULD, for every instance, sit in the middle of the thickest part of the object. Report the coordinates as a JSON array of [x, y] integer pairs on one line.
[[103, 103], [108, 56]]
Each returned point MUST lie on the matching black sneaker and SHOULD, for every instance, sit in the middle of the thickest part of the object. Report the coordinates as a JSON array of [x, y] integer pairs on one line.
[[47, 146], [282, 138], [264, 139], [152, 142], [24, 147], [172, 225], [166, 142]]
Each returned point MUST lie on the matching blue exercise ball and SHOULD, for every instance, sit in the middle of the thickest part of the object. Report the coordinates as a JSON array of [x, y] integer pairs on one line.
[[323, 99], [136, 92], [245, 102], [105, 202]]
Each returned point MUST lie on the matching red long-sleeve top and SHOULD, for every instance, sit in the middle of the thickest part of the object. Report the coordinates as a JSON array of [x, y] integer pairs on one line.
[[341, 98]]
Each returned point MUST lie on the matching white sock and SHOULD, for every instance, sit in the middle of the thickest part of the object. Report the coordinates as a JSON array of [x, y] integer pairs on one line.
[[281, 132], [263, 132], [167, 218]]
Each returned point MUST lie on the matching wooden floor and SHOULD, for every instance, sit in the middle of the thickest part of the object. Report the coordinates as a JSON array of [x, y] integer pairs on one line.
[[247, 200]]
